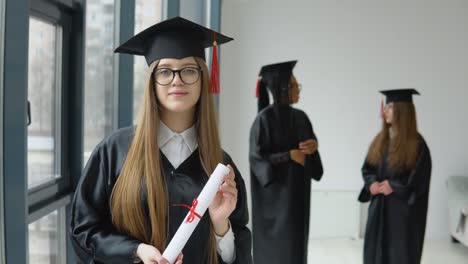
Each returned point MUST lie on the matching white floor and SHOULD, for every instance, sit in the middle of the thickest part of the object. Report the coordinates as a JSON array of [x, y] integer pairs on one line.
[[347, 251]]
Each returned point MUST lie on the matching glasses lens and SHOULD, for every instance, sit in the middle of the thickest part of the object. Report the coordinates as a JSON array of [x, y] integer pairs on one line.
[[190, 75], [164, 76]]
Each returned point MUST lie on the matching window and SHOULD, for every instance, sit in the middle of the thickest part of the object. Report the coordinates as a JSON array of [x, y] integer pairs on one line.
[[193, 10], [99, 73], [44, 102], [147, 13], [48, 176], [35, 157], [47, 239]]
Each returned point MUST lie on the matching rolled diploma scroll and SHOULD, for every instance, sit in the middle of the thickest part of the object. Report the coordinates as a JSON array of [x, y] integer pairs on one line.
[[204, 200]]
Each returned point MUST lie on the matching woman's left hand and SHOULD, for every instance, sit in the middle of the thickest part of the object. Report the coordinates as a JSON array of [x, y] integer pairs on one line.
[[385, 188], [224, 203]]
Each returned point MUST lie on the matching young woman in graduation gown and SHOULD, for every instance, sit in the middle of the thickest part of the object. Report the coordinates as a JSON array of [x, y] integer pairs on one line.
[[136, 187], [396, 172], [283, 160]]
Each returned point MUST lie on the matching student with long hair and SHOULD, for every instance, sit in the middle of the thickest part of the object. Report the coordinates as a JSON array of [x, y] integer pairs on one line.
[[397, 173], [135, 190]]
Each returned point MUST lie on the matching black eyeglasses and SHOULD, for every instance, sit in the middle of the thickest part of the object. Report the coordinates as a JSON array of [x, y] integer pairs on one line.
[[188, 75]]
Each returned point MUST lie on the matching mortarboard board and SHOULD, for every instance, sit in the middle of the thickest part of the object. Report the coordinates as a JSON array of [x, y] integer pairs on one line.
[[176, 38], [399, 95], [276, 77]]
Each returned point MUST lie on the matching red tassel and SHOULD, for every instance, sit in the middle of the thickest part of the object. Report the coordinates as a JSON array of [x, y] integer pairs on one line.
[[257, 89], [214, 82]]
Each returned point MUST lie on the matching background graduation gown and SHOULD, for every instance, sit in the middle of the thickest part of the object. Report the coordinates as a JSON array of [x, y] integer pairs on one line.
[[96, 240], [396, 223], [280, 186]]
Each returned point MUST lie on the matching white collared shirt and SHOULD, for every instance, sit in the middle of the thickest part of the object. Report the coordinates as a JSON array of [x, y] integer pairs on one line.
[[177, 148]]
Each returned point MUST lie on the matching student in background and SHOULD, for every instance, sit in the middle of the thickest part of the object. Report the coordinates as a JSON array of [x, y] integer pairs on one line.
[[283, 158], [397, 173]]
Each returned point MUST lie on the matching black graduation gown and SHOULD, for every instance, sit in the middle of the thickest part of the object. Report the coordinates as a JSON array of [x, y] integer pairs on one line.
[[96, 240], [280, 186], [396, 223]]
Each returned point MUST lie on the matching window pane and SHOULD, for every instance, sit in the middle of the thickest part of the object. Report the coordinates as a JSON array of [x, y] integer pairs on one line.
[[193, 10], [44, 240], [147, 13], [99, 77], [43, 138]]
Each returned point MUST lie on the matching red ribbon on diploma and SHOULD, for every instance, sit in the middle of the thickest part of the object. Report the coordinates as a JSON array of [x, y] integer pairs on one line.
[[192, 214]]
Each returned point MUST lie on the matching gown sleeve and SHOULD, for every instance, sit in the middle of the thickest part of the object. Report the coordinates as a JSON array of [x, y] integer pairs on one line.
[[369, 175], [239, 219], [313, 163], [94, 238], [261, 161]]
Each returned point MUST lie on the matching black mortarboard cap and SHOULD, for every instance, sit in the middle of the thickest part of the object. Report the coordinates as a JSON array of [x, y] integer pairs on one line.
[[175, 38], [276, 77], [399, 95]]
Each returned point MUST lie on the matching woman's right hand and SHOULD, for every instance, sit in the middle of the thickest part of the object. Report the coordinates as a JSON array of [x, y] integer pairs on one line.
[[297, 156], [309, 146], [151, 255]]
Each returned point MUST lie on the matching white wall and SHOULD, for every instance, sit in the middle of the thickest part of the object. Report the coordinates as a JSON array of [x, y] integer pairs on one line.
[[347, 51]]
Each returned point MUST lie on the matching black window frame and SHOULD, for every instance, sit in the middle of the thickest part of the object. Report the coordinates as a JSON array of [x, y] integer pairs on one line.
[[2, 38], [43, 195]]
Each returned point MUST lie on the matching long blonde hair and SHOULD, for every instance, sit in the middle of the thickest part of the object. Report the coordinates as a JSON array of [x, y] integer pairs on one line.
[[403, 148], [142, 168]]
